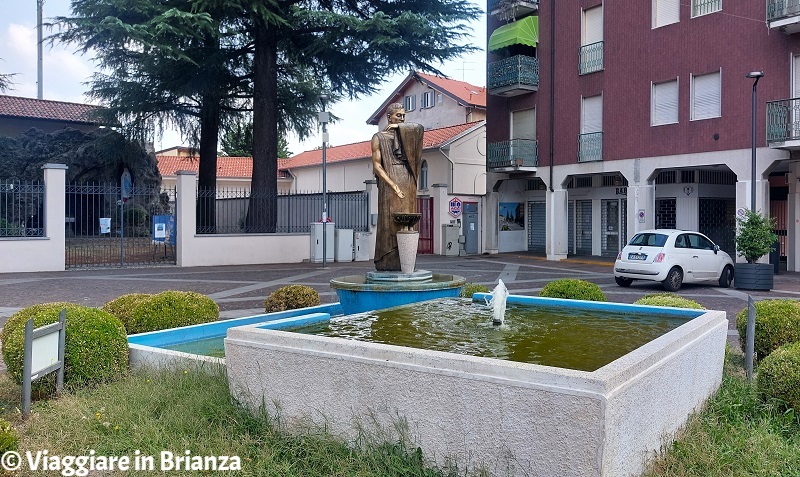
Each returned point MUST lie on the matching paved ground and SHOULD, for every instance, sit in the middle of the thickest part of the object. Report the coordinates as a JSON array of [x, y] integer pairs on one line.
[[240, 290]]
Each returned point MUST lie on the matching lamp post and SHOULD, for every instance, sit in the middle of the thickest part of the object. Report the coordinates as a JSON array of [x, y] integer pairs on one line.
[[757, 76], [324, 117]]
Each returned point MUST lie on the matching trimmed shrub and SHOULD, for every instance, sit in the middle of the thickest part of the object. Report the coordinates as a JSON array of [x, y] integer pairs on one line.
[[9, 438], [777, 324], [291, 297], [668, 299], [95, 345], [122, 307], [574, 289], [778, 376], [471, 288], [171, 309]]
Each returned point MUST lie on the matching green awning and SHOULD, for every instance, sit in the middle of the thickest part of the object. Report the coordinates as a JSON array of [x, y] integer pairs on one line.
[[520, 32]]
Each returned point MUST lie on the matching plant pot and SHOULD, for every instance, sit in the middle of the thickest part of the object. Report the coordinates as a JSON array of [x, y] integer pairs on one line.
[[754, 276], [407, 243]]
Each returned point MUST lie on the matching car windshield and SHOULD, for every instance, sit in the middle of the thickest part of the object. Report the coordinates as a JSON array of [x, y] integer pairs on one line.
[[649, 240]]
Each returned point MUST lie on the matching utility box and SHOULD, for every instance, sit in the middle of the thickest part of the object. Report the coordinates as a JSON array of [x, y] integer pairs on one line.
[[344, 245], [450, 233], [316, 241], [361, 242]]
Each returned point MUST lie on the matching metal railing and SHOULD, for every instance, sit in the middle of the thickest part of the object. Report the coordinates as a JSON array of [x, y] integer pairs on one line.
[[503, 5], [590, 147], [517, 70], [513, 153], [295, 212], [590, 58], [702, 7], [21, 209], [777, 9], [783, 120]]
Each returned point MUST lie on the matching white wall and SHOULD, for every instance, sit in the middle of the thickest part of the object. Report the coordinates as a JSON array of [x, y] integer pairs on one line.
[[445, 113]]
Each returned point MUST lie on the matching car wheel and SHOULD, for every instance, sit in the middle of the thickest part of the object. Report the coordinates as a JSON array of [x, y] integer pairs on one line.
[[727, 277], [674, 280], [623, 282]]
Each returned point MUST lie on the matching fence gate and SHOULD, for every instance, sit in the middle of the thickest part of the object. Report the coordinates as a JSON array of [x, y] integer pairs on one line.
[[105, 229]]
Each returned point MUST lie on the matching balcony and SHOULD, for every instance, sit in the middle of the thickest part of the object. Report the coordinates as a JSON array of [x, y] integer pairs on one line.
[[784, 15], [590, 58], [590, 147], [513, 76], [513, 155], [509, 9], [783, 124]]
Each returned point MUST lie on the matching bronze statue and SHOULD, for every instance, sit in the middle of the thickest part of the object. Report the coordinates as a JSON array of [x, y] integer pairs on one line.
[[396, 160]]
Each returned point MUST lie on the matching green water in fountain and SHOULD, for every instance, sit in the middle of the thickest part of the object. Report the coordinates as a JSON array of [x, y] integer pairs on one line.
[[563, 337]]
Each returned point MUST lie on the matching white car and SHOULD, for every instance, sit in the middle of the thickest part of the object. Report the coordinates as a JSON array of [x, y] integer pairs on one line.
[[672, 257]]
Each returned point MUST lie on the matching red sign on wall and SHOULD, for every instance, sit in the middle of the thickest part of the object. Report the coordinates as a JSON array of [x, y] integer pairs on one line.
[[455, 207]]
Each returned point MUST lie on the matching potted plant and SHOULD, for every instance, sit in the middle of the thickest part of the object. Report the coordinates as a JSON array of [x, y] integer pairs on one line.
[[754, 239]]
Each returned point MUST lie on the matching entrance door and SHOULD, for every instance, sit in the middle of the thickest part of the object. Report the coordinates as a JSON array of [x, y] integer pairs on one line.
[[537, 236], [583, 227], [610, 220], [471, 227], [425, 224]]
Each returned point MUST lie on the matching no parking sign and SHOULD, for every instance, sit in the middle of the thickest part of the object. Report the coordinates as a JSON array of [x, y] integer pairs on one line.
[[455, 205]]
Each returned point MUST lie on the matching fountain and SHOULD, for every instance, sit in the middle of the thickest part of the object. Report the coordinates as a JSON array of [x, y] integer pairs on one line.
[[498, 300], [396, 158]]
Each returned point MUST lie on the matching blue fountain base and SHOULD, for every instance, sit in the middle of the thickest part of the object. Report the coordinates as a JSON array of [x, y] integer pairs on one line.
[[358, 294]]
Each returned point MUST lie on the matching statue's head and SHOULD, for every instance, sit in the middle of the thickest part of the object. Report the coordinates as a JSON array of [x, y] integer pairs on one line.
[[396, 113]]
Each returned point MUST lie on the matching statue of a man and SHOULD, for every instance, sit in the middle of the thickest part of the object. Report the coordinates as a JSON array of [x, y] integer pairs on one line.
[[396, 160]]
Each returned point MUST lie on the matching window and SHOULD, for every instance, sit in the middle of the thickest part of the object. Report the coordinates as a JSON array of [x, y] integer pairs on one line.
[[590, 55], [664, 103], [592, 114], [706, 96], [426, 100], [423, 175], [523, 124], [665, 12], [410, 102], [704, 7], [649, 240]]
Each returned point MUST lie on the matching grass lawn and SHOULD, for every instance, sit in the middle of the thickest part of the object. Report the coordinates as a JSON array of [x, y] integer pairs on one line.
[[736, 435]]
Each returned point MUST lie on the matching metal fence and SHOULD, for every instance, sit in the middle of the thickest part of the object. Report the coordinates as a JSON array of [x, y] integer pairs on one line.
[[105, 229], [21, 209], [295, 212]]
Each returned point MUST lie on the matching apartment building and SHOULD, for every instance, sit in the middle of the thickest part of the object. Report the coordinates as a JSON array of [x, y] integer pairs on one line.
[[605, 118]]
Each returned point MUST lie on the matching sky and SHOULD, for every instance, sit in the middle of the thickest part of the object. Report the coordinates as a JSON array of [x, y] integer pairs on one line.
[[65, 73]]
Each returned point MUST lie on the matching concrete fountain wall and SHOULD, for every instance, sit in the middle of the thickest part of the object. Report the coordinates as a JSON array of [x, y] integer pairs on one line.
[[509, 418]]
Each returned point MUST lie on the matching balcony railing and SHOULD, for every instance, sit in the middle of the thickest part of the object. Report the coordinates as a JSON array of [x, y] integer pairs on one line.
[[512, 76], [590, 58], [703, 7], [517, 8], [777, 9], [783, 120], [515, 153], [590, 147]]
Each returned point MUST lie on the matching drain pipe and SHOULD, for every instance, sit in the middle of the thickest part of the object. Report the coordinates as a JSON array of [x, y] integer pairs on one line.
[[552, 85]]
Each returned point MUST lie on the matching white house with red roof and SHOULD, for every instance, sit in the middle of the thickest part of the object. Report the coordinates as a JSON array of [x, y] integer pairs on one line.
[[18, 114]]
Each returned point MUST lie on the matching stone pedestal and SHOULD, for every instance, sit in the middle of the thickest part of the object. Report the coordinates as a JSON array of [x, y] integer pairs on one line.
[[407, 243]]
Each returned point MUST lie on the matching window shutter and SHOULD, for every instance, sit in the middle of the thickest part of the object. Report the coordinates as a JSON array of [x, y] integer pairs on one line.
[[592, 115], [796, 79], [523, 124], [665, 103], [593, 25], [706, 96], [665, 12]]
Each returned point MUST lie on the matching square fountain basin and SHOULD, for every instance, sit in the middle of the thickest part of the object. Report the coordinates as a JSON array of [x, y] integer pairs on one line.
[[507, 417]]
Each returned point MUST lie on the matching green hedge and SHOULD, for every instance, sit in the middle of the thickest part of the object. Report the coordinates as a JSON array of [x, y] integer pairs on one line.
[[95, 345], [668, 299], [777, 324], [291, 297], [574, 289], [778, 376], [122, 307], [170, 309], [9, 438], [471, 288]]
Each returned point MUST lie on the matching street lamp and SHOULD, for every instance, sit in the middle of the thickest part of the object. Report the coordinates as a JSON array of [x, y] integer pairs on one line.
[[757, 76], [324, 117]]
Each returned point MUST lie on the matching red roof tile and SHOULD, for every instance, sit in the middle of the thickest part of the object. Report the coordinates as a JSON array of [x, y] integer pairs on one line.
[[362, 150], [13, 106], [227, 166]]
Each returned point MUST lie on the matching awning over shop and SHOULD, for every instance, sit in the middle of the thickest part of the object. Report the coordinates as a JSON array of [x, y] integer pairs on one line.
[[520, 32]]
